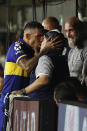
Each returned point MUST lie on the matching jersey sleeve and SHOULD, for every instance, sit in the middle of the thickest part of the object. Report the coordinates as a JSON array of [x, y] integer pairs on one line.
[[44, 66], [19, 52]]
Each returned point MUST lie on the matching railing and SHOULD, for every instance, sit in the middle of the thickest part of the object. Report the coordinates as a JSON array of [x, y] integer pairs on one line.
[[72, 116], [41, 115], [32, 115]]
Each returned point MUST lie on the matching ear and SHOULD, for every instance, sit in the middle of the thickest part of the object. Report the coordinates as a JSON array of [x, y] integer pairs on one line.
[[27, 36], [56, 101], [80, 97]]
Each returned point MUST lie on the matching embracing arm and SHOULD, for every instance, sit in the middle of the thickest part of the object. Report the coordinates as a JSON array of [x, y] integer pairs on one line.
[[49, 46], [43, 80], [29, 64], [43, 73]]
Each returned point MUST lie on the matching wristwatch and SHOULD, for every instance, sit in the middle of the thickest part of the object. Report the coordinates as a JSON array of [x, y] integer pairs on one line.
[[23, 92]]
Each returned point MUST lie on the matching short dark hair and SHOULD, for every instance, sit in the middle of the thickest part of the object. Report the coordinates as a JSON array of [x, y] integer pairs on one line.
[[33, 25]]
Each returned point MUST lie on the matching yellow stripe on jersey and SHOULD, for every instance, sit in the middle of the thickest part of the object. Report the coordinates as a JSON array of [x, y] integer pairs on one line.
[[20, 58], [14, 69], [20, 42]]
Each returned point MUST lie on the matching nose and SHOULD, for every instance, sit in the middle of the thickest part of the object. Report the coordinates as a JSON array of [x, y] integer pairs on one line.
[[68, 34]]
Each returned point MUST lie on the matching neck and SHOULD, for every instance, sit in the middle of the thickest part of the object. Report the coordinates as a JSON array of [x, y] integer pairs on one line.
[[27, 41]]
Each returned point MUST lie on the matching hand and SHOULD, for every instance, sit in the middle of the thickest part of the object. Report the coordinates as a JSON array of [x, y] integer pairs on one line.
[[16, 92], [51, 45]]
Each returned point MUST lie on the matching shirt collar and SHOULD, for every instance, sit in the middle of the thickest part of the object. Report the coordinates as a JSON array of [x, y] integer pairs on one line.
[[56, 30]]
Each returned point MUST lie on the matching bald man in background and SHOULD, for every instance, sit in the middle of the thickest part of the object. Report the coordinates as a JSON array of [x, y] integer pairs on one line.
[[51, 23], [77, 58]]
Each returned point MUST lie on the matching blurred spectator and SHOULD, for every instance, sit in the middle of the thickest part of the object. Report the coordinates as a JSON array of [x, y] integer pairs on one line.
[[64, 91], [81, 91], [70, 90], [2, 54], [19, 34], [1, 78], [51, 23]]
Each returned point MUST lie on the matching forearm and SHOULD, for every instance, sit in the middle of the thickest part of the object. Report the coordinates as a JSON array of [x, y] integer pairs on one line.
[[33, 87], [39, 83], [29, 64]]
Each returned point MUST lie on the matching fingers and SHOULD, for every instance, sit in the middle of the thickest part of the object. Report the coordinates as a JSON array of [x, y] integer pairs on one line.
[[15, 92], [48, 39], [58, 43], [54, 44], [56, 47], [55, 39]]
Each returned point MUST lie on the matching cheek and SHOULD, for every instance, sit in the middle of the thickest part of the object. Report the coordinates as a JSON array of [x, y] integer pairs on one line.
[[42, 38], [37, 45], [73, 34], [37, 40], [30, 41], [46, 27]]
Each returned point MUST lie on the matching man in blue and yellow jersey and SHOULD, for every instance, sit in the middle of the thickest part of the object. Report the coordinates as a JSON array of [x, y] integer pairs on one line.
[[20, 60], [52, 68]]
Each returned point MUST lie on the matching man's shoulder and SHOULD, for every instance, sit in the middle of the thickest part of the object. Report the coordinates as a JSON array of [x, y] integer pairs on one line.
[[45, 58]]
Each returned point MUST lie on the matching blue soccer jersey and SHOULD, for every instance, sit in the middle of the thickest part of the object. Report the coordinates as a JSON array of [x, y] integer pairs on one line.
[[15, 77]]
